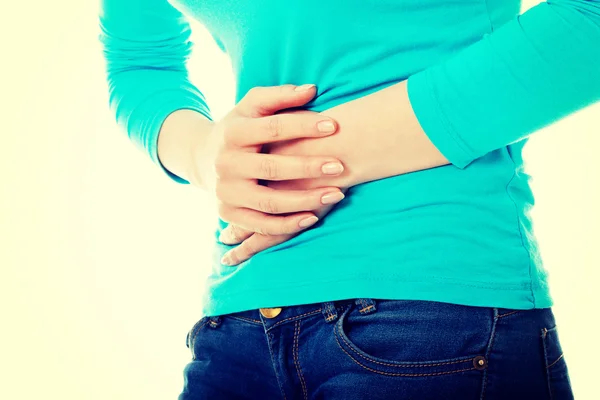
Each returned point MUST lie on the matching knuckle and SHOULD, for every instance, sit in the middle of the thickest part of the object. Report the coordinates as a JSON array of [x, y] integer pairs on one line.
[[311, 200], [284, 89], [312, 169], [239, 233], [308, 128], [232, 232], [268, 206], [275, 126], [261, 230], [253, 92], [253, 101], [277, 228], [268, 168], [286, 226]]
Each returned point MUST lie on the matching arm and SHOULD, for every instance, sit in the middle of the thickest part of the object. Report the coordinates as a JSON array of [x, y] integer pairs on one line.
[[529, 73], [525, 75], [146, 47]]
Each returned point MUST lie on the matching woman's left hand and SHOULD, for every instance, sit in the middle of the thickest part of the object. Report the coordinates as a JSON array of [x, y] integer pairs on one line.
[[249, 243]]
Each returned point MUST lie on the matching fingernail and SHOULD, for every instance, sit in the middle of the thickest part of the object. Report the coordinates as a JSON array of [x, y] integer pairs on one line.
[[226, 260], [306, 222], [333, 197], [332, 168], [304, 87], [326, 126]]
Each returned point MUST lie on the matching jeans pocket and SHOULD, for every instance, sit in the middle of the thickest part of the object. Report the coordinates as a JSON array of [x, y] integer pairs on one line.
[[415, 338], [193, 334], [557, 374]]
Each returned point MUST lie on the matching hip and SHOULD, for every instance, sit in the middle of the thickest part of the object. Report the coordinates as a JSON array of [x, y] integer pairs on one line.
[[378, 349]]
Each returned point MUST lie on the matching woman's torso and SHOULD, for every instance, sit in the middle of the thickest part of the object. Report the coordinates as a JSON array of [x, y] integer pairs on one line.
[[457, 235]]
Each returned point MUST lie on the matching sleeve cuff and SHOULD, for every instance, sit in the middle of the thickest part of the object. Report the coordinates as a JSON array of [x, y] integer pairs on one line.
[[433, 121], [159, 107]]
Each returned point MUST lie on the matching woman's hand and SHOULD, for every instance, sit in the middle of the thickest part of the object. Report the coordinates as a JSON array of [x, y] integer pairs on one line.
[[253, 242], [230, 163]]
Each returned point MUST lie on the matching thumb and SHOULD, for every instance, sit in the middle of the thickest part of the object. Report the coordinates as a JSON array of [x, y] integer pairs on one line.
[[261, 101]]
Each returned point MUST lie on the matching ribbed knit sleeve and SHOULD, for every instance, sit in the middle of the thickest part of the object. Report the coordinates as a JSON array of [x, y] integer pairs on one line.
[[146, 47], [532, 71]]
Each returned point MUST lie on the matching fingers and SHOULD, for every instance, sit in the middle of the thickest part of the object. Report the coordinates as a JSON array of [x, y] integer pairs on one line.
[[266, 224], [234, 234], [275, 128], [275, 167], [273, 201], [266, 100], [249, 247]]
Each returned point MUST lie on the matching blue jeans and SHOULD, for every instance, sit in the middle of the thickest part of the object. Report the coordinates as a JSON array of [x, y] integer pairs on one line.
[[377, 349]]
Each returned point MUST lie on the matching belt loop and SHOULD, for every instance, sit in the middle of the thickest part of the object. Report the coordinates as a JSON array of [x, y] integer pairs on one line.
[[214, 321], [367, 305], [329, 311]]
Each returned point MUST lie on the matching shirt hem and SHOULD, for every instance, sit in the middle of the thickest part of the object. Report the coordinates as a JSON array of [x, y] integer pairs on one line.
[[361, 287]]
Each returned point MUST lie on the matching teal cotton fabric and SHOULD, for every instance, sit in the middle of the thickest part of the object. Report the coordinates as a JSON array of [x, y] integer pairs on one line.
[[481, 80]]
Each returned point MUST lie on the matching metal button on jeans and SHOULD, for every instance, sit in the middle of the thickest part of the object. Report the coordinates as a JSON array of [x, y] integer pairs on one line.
[[270, 312]]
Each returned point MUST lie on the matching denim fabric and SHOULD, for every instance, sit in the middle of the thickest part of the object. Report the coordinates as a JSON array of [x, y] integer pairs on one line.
[[377, 349]]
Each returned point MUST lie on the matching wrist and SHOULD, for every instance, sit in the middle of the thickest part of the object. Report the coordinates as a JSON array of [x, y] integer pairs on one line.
[[379, 136], [183, 133]]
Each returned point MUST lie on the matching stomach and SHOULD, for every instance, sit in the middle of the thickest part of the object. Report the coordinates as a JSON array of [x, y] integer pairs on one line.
[[441, 223]]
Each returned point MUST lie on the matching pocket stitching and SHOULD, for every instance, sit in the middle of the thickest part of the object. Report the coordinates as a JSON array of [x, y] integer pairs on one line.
[[253, 321], [400, 363], [194, 332], [509, 313], [546, 345], [557, 360], [338, 333], [296, 358], [545, 332], [396, 374]]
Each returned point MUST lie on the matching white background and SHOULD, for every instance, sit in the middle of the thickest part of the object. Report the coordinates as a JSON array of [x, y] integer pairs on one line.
[[103, 259]]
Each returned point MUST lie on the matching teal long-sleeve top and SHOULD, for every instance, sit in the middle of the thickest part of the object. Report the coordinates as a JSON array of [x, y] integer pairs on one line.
[[481, 79]]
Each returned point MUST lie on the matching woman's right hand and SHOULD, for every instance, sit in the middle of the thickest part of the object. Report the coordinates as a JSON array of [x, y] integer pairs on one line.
[[229, 162]]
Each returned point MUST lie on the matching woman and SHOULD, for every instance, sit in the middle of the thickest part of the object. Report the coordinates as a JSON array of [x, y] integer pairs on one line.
[[424, 281]]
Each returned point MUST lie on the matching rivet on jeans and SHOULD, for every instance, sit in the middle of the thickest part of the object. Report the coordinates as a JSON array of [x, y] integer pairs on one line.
[[479, 362]]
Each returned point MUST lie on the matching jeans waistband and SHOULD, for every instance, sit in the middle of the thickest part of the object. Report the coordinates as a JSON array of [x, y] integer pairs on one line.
[[329, 310]]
